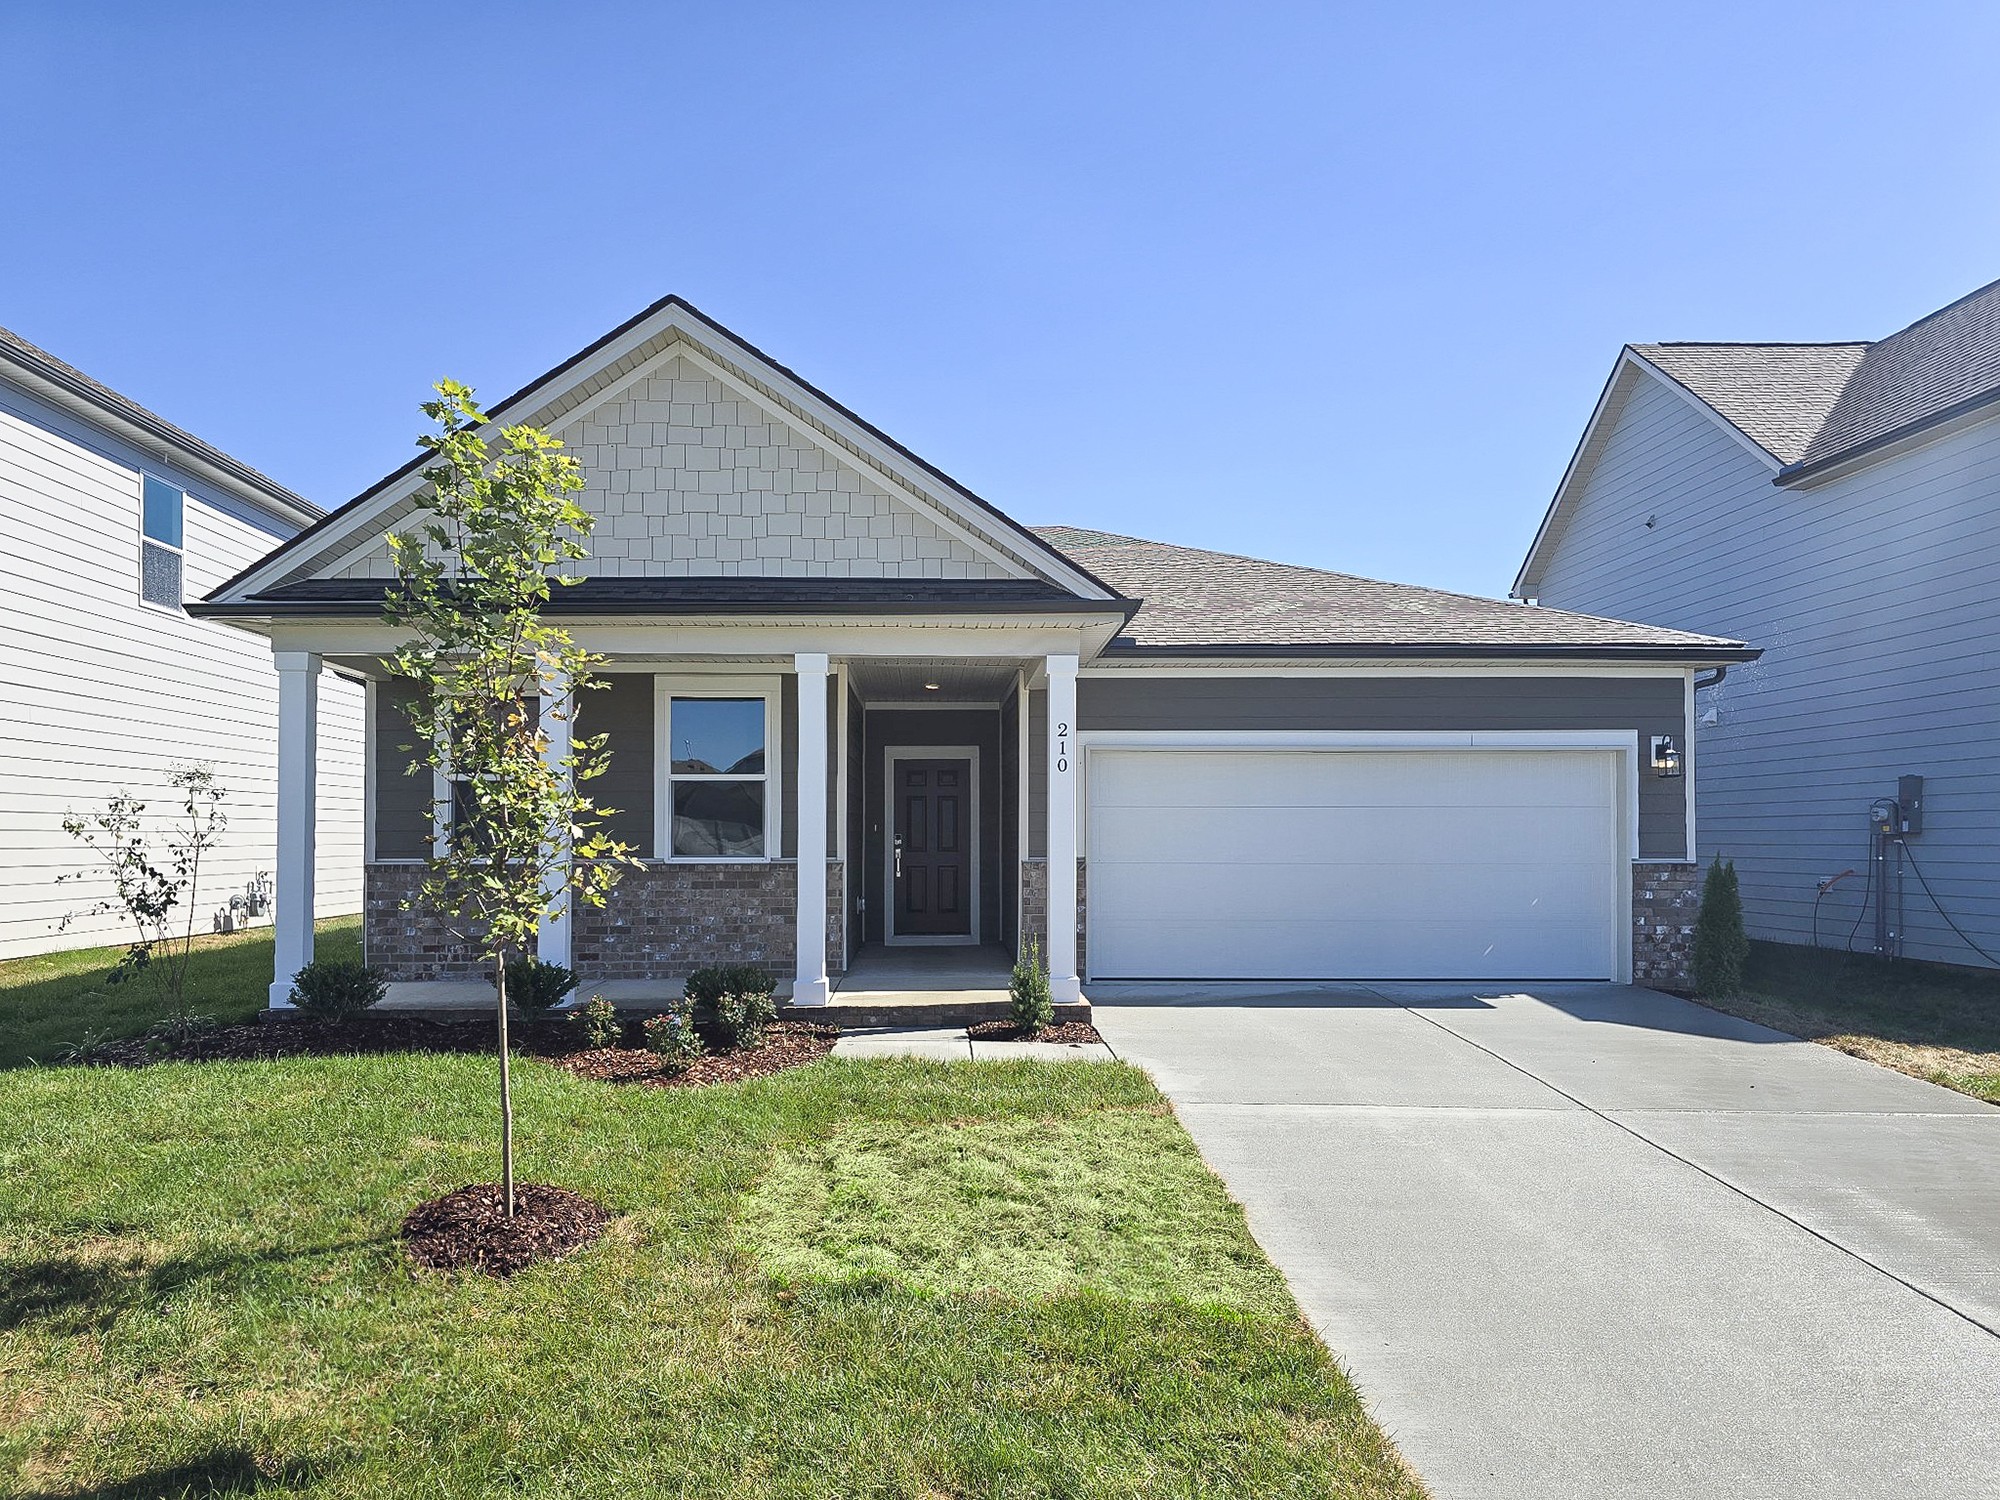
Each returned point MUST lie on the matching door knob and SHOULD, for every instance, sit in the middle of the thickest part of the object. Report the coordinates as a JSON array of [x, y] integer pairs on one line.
[[899, 856]]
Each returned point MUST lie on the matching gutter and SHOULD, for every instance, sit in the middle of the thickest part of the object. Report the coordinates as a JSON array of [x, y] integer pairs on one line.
[[1722, 651], [323, 609], [132, 423], [1798, 473]]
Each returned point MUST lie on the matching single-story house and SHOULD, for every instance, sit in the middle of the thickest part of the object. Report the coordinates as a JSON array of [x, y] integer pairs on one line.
[[852, 703]]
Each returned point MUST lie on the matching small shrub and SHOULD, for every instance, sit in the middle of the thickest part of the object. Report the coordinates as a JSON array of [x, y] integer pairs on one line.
[[1720, 945], [742, 1017], [1029, 1003], [597, 1018], [708, 986], [333, 989], [672, 1036], [84, 1048], [165, 1038], [534, 985]]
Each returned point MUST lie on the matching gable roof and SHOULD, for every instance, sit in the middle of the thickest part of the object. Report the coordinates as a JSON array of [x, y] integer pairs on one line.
[[1198, 603], [672, 322], [68, 388], [1806, 409], [1777, 395]]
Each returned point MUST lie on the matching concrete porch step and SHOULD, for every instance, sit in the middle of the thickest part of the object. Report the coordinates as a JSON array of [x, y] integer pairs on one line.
[[927, 1009]]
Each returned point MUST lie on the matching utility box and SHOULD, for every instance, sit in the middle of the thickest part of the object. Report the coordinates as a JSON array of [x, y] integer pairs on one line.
[[1910, 803]]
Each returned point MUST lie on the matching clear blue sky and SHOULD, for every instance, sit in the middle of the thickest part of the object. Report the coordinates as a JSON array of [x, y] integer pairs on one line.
[[1333, 283]]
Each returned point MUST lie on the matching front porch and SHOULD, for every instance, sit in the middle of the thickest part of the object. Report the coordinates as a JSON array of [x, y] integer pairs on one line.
[[932, 985], [941, 787]]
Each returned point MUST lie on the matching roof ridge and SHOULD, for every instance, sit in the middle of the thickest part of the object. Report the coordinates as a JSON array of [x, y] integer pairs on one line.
[[88, 387], [1758, 343]]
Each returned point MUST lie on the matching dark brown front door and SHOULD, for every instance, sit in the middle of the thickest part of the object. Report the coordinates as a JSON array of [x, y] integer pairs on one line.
[[930, 854]]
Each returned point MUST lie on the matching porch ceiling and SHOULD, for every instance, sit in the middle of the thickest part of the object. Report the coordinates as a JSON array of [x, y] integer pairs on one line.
[[910, 680]]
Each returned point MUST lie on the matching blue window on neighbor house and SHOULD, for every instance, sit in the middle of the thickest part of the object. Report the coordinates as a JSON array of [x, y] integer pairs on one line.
[[160, 507]]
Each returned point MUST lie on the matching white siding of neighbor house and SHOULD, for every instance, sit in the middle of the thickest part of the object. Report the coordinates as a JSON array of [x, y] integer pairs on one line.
[[688, 477], [1876, 599], [101, 693]]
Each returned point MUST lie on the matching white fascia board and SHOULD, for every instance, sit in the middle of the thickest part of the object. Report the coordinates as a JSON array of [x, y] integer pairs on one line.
[[625, 640], [1631, 366]]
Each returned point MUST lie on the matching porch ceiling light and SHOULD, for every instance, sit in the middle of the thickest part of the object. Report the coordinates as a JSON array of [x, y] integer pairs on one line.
[[932, 687], [1666, 756]]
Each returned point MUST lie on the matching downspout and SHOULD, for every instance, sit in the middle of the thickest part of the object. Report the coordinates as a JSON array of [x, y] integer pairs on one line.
[[1715, 681]]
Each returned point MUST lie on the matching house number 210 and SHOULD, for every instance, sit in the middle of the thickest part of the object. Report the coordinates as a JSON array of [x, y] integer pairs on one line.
[[1062, 747]]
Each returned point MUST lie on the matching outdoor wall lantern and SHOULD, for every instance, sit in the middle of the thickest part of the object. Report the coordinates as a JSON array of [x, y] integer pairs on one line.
[[1666, 756]]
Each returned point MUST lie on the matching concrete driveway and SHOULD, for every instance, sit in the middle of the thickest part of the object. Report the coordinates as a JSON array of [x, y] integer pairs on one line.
[[1593, 1241]]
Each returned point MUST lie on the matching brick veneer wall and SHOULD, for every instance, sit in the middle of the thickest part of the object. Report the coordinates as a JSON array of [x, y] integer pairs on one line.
[[1665, 901], [659, 922], [412, 944], [663, 921], [1035, 907]]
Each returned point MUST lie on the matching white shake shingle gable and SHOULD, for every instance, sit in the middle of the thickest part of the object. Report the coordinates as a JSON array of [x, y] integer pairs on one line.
[[686, 476]]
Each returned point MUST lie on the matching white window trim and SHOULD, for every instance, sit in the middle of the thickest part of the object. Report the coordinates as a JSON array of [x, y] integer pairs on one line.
[[895, 753], [178, 607], [714, 685]]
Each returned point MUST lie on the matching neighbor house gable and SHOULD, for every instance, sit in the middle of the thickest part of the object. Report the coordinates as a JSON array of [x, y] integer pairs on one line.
[[705, 457], [1633, 372]]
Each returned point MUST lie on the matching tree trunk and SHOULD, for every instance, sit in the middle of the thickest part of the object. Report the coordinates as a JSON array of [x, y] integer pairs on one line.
[[506, 1089]]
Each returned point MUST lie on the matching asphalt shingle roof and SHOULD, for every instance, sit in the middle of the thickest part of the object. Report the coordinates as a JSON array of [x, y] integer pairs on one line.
[[1811, 406], [1922, 374], [44, 364], [1191, 599], [1777, 395]]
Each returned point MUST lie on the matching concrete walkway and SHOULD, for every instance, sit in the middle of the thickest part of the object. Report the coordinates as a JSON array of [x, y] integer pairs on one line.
[[1596, 1242], [953, 1044]]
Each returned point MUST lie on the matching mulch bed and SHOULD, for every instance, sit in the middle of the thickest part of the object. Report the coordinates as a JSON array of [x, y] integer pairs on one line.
[[1007, 1031], [469, 1230], [296, 1036], [787, 1044]]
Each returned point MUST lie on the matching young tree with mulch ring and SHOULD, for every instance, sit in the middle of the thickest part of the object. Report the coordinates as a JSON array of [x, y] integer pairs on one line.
[[472, 583]]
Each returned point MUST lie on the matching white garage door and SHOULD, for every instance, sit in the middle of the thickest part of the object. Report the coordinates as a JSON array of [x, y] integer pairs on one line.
[[1353, 864]]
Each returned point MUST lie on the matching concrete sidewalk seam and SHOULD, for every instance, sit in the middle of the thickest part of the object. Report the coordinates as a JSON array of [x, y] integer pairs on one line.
[[1717, 1177]]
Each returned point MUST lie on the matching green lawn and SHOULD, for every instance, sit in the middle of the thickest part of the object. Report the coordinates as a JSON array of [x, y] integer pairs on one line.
[[1933, 1021], [53, 1000], [882, 1278]]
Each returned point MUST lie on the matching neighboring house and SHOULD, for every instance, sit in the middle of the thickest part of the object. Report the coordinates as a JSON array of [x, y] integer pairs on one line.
[[820, 644], [1835, 503], [109, 517]]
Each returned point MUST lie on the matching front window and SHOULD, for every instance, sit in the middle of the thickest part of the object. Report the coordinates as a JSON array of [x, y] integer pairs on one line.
[[717, 778], [160, 510]]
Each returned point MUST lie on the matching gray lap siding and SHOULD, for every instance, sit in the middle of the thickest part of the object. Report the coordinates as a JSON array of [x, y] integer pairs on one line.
[[1644, 705]]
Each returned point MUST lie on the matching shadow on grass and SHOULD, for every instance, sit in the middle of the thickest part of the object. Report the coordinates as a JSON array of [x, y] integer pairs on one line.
[[76, 1293], [216, 1475]]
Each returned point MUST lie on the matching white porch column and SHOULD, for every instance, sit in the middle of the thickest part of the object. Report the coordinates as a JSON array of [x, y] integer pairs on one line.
[[809, 986], [552, 937], [1064, 982], [298, 858]]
